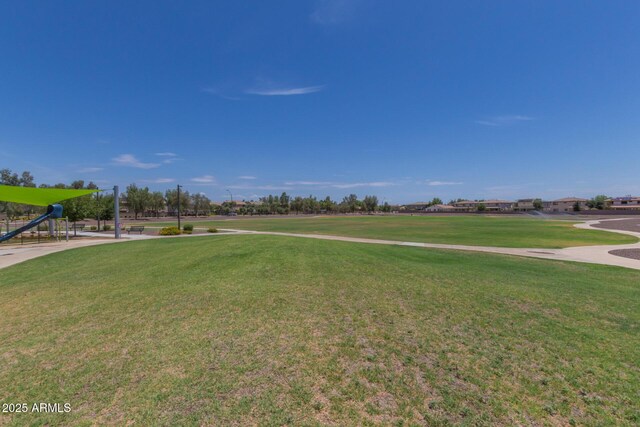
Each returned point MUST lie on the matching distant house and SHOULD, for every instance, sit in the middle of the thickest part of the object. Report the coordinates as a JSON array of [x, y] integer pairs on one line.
[[565, 205], [624, 203], [442, 208], [489, 205], [524, 205], [417, 206]]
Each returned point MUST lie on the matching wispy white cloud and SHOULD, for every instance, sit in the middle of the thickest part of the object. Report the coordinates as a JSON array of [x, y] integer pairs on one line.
[[158, 180], [90, 170], [168, 157], [130, 160], [247, 177], [507, 120], [440, 183], [205, 179], [285, 91]]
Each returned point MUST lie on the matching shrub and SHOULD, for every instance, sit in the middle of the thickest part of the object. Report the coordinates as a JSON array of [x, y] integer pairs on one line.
[[93, 228], [187, 227], [212, 230], [106, 227], [170, 231]]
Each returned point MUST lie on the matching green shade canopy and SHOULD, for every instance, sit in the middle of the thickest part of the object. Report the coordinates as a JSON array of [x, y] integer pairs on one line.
[[39, 196]]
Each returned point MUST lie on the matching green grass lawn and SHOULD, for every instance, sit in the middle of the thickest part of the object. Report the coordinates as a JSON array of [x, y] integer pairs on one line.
[[515, 232], [274, 330]]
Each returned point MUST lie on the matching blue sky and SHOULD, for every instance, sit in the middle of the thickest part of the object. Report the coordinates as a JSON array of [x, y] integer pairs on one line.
[[407, 100]]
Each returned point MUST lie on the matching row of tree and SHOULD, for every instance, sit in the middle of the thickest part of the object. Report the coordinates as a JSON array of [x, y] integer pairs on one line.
[[285, 204], [143, 202]]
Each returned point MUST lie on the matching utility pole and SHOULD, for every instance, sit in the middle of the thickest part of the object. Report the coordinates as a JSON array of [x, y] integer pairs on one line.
[[116, 207], [179, 186], [231, 200]]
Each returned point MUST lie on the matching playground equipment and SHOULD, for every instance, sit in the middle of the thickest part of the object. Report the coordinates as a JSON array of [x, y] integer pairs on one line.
[[53, 212], [42, 197]]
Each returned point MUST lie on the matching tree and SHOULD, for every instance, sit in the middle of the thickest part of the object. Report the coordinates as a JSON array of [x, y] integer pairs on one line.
[[435, 201], [296, 204], [327, 205], [538, 205], [576, 207], [284, 202], [310, 205], [156, 202], [481, 207], [351, 203], [137, 199], [201, 203], [103, 207], [171, 199], [598, 202], [370, 203]]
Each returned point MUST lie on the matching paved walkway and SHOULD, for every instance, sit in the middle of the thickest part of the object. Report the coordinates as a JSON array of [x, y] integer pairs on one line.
[[588, 254], [18, 253]]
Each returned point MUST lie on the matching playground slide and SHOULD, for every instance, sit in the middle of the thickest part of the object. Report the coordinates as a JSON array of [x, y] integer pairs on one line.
[[53, 211]]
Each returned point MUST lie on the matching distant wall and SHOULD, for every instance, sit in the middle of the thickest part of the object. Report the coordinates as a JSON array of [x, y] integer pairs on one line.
[[618, 212]]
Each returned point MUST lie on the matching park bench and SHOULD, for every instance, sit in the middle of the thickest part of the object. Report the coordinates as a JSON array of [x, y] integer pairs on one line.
[[136, 229], [78, 227]]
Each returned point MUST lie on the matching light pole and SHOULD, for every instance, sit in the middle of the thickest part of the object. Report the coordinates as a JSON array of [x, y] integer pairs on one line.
[[116, 208], [179, 186], [231, 203]]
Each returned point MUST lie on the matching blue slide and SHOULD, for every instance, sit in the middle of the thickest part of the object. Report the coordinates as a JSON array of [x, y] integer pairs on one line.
[[53, 211]]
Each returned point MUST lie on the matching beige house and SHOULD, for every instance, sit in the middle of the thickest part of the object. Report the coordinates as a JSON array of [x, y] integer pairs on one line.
[[524, 205], [489, 205], [565, 205], [417, 206], [442, 208], [624, 203]]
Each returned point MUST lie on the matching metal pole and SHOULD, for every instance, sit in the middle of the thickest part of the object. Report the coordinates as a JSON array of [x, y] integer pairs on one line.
[[179, 206], [66, 227], [52, 231], [116, 215], [231, 202]]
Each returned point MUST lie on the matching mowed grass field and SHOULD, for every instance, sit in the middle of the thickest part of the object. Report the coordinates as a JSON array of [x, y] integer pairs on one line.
[[270, 330], [516, 232]]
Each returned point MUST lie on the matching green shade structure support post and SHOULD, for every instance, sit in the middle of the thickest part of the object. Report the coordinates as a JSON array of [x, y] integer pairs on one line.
[[116, 207]]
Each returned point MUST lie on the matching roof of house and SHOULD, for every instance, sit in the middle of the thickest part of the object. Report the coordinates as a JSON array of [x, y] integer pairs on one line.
[[571, 199], [442, 207], [482, 201], [627, 198]]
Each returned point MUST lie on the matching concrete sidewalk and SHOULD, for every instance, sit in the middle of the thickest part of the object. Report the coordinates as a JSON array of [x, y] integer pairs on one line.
[[19, 253]]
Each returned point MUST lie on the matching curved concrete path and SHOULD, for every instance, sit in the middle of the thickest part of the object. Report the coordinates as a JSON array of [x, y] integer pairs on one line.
[[588, 254]]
